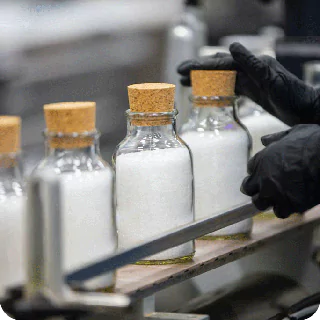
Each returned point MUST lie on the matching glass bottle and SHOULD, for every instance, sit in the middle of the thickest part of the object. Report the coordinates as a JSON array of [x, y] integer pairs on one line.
[[88, 224], [12, 204], [154, 179], [260, 123], [220, 147]]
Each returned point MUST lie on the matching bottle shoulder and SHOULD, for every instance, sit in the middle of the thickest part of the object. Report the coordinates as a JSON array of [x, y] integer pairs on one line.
[[65, 163], [210, 126], [150, 142]]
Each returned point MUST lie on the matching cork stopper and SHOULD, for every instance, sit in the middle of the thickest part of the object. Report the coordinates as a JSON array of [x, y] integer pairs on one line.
[[210, 83], [10, 132], [67, 118], [151, 98]]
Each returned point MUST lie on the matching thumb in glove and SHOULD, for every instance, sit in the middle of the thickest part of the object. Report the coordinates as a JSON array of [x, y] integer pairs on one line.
[[270, 138]]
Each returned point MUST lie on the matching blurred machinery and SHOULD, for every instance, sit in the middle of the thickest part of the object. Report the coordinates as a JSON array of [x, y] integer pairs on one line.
[[88, 50]]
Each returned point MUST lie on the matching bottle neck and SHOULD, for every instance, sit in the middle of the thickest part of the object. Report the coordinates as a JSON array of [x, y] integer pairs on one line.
[[211, 116], [213, 111], [144, 124], [134, 130], [11, 181], [75, 145], [89, 151]]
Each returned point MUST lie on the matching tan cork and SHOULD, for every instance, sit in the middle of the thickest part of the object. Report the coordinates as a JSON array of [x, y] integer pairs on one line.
[[68, 118], [213, 83], [151, 98], [10, 137], [10, 131]]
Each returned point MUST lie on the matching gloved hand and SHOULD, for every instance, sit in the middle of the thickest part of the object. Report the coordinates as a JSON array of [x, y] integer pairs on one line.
[[266, 82], [286, 174]]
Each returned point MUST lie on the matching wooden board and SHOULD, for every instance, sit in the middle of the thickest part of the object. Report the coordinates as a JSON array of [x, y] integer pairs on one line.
[[141, 281]]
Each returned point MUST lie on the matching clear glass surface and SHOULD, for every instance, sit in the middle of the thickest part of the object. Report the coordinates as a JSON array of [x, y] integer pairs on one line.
[[87, 183], [12, 206], [11, 178], [260, 123], [154, 184], [220, 145]]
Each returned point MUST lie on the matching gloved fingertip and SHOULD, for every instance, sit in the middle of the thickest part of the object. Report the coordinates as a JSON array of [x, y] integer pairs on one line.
[[249, 187], [270, 138], [185, 81], [261, 203], [281, 212], [186, 66], [240, 53], [235, 47], [266, 139]]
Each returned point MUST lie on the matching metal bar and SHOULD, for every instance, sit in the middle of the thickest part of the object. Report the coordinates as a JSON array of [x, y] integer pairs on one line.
[[35, 228], [176, 316], [53, 236], [165, 241]]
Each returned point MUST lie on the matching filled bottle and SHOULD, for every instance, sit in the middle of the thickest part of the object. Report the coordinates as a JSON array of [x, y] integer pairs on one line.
[[87, 182], [154, 179], [220, 148], [12, 205]]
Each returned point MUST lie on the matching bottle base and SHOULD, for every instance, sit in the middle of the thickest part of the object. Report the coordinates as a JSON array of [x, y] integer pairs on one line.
[[268, 215], [109, 289], [237, 236], [264, 216], [179, 260]]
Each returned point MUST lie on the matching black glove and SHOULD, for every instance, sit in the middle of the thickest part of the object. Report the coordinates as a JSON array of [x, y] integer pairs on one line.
[[266, 82], [286, 174]]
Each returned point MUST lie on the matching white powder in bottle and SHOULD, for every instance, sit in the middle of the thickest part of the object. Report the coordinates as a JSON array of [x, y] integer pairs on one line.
[[220, 164], [88, 221], [260, 125], [12, 269], [154, 195]]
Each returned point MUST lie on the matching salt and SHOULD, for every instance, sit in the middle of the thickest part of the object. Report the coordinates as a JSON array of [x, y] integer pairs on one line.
[[154, 195], [88, 225], [261, 124], [220, 163], [12, 271]]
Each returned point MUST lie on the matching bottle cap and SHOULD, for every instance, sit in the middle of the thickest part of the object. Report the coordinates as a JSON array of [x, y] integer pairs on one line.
[[67, 118], [213, 83], [10, 131], [151, 98]]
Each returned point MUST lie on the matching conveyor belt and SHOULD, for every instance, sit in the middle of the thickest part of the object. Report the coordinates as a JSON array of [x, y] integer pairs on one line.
[[141, 281]]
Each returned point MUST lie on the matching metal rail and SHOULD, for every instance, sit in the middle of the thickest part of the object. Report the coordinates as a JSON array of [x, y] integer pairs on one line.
[[43, 201], [45, 276], [165, 241]]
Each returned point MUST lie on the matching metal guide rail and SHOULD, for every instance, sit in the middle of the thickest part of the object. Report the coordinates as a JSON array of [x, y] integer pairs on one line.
[[138, 281], [48, 291]]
